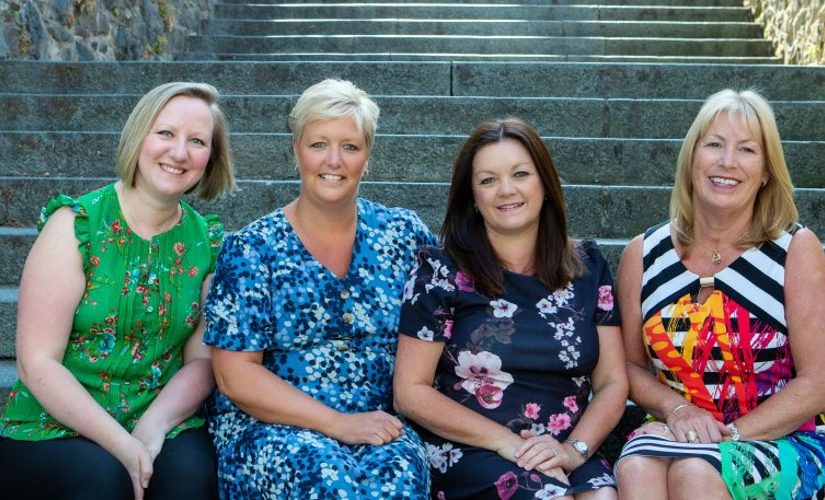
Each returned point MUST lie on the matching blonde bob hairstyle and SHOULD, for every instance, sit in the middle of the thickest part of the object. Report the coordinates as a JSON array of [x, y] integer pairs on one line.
[[334, 99], [219, 178], [774, 210]]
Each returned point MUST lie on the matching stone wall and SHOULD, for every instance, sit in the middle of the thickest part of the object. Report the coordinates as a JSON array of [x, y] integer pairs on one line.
[[102, 30], [796, 28]]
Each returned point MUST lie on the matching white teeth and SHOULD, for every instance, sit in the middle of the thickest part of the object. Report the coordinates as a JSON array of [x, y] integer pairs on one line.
[[331, 177], [171, 170], [512, 205], [722, 180]]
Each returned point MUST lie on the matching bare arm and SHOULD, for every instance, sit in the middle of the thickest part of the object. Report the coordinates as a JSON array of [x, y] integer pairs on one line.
[[602, 414], [242, 378], [416, 398], [53, 280], [646, 390], [185, 392], [804, 396]]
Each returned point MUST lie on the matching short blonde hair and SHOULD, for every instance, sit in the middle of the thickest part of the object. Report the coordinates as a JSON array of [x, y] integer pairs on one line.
[[774, 210], [332, 99], [219, 178]]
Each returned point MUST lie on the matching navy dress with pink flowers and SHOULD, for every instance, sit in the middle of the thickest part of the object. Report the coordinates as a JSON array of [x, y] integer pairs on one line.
[[523, 359]]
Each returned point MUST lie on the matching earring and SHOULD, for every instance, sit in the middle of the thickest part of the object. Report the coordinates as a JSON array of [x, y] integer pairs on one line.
[[764, 182], [475, 207]]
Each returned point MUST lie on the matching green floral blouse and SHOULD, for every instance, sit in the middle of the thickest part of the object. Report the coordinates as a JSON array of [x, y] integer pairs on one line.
[[137, 313]]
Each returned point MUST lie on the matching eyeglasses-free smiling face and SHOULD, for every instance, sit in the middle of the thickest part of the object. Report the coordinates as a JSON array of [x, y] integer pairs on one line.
[[175, 153], [507, 189], [332, 156], [728, 166]]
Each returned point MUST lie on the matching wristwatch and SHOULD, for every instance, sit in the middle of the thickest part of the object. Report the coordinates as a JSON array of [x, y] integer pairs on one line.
[[579, 446]]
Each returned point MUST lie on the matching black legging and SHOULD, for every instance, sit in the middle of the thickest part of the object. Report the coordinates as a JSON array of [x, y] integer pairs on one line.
[[78, 469]]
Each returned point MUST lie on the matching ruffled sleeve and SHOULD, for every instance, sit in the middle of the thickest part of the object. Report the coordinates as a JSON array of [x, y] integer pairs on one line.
[[607, 308], [215, 232], [429, 295], [81, 221]]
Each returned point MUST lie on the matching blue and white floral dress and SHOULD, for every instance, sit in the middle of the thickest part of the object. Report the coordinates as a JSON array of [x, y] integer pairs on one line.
[[333, 338], [522, 359]]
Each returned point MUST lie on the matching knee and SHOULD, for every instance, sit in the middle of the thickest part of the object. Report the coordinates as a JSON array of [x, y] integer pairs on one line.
[[685, 473], [633, 469], [105, 477]]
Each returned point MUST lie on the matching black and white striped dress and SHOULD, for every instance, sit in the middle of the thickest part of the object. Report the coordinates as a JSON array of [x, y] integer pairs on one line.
[[727, 355]]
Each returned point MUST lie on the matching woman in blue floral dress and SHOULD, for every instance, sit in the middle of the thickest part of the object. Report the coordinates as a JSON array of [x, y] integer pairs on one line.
[[303, 318], [507, 331]]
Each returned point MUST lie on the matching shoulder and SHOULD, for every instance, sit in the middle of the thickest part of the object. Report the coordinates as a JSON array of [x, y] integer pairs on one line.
[[377, 212], [804, 244]]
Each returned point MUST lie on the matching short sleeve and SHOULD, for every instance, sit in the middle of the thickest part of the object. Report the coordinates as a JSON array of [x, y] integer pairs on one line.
[[81, 221], [237, 308], [427, 307], [607, 309], [215, 233]]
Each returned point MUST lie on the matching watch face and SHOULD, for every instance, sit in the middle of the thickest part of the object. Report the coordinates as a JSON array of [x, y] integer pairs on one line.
[[580, 446]]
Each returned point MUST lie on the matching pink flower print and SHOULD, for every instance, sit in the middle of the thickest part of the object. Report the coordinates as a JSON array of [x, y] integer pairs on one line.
[[506, 485], [180, 248], [489, 396], [479, 369], [570, 404], [558, 423], [531, 410], [448, 328], [502, 308], [464, 282], [605, 298]]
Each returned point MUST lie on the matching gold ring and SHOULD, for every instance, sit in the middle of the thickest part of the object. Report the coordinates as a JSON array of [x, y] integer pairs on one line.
[[692, 436]]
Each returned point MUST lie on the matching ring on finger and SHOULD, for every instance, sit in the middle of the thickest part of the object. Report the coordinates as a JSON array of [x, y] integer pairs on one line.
[[692, 436]]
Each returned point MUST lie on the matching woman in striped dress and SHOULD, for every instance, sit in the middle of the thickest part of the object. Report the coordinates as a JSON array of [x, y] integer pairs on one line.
[[722, 311]]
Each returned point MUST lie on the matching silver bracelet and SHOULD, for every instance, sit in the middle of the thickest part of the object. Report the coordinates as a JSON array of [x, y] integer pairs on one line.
[[734, 431]]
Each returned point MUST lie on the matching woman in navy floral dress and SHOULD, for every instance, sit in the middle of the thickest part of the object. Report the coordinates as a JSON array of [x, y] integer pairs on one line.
[[507, 331], [303, 318]]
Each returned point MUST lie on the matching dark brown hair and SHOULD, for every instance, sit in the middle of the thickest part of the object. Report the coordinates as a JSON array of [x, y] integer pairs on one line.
[[557, 261]]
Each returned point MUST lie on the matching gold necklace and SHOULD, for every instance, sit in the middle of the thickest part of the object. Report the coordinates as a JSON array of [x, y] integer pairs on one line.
[[716, 253]]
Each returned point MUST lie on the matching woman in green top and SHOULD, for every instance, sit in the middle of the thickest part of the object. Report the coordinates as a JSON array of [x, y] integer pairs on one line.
[[109, 349]]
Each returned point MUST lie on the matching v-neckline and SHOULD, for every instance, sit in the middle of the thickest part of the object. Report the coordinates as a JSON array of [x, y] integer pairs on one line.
[[305, 250]]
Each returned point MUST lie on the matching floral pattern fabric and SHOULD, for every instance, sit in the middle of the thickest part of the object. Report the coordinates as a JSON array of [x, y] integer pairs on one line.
[[523, 359], [141, 305], [333, 338]]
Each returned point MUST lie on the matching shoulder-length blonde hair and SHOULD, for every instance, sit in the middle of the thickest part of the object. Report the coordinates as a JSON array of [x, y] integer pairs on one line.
[[774, 210], [219, 178]]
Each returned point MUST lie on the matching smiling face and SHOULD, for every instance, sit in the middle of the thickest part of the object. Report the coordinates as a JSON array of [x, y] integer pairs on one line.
[[728, 167], [175, 153], [331, 157], [507, 189]]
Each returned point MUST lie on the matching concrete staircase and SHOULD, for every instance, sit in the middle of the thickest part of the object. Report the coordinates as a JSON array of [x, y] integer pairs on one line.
[[604, 82]]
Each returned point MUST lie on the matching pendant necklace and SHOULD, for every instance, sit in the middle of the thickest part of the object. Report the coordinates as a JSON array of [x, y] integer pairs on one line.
[[716, 253]]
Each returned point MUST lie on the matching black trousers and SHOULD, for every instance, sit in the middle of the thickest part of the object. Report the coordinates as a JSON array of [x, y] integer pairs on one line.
[[78, 469]]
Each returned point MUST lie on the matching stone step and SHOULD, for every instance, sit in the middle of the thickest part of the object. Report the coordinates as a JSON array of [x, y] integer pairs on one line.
[[499, 3], [445, 11], [8, 376], [373, 57], [411, 158], [15, 243], [460, 44], [616, 211], [8, 325], [634, 29], [563, 117], [535, 79]]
